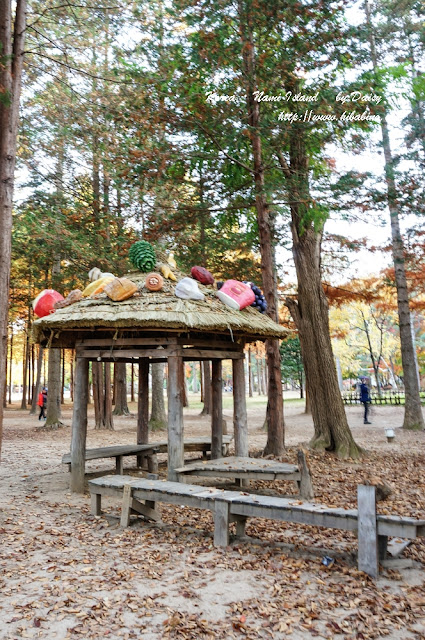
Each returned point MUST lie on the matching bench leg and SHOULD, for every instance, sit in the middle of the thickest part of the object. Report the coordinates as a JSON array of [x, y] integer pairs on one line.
[[126, 506], [140, 460], [382, 547], [204, 455], [153, 463], [119, 465], [240, 526], [242, 482], [221, 523], [368, 555], [96, 504]]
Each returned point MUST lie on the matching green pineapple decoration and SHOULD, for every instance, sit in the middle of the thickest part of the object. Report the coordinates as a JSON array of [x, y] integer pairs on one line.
[[142, 256]]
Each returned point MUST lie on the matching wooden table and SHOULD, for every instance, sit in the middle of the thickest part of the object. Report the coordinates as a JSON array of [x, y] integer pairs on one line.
[[242, 469]]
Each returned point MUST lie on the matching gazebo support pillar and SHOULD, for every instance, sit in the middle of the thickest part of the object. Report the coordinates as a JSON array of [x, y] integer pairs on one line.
[[143, 402], [79, 425], [217, 410], [175, 417], [240, 421]]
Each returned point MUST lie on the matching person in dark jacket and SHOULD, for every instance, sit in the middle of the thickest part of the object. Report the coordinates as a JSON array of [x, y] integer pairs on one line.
[[365, 398]]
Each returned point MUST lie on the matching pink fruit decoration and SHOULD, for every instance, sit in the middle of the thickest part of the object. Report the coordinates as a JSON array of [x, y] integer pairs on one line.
[[202, 275], [236, 295], [44, 304]]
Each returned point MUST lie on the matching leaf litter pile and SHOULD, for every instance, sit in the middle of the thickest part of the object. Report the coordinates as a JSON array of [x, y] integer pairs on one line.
[[66, 574]]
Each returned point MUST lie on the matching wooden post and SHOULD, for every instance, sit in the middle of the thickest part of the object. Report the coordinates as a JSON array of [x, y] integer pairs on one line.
[[79, 425], [240, 422], [221, 523], [368, 557], [217, 410], [143, 402], [175, 418]]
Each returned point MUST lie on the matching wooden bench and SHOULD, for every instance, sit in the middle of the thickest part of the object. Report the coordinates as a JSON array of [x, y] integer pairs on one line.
[[242, 469], [233, 506], [202, 444], [143, 452]]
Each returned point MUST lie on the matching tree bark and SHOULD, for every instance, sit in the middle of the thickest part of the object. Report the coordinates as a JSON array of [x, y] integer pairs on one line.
[[121, 406], [250, 385], [12, 51], [25, 373], [98, 395], [158, 419], [108, 420], [38, 381], [53, 410], [275, 421], [206, 411], [413, 417]]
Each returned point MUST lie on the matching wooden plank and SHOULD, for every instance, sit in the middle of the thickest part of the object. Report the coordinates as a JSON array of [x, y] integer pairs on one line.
[[240, 421], [126, 506], [175, 417], [146, 510], [79, 425], [96, 504], [207, 354], [115, 354], [217, 410], [111, 452], [221, 523], [368, 557], [120, 342], [143, 402], [119, 465]]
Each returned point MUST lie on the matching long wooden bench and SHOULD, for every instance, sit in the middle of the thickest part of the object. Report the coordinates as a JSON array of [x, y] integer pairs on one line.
[[141, 495], [143, 452]]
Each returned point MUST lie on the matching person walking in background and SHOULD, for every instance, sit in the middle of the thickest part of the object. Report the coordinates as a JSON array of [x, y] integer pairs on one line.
[[42, 403], [365, 398]]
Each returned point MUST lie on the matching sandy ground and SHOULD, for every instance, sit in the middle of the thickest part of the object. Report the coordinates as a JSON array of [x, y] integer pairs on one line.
[[65, 574]]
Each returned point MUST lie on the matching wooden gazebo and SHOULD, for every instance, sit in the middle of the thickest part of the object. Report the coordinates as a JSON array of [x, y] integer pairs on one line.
[[157, 327]]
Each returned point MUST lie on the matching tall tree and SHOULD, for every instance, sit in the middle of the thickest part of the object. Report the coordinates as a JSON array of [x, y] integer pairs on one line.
[[11, 65], [413, 418]]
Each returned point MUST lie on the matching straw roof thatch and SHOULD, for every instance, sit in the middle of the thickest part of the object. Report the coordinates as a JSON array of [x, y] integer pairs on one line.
[[161, 310]]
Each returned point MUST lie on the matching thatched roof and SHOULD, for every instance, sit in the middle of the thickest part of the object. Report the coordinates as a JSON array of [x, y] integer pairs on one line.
[[160, 311]]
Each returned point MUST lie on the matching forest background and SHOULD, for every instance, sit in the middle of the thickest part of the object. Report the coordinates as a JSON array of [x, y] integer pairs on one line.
[[134, 123]]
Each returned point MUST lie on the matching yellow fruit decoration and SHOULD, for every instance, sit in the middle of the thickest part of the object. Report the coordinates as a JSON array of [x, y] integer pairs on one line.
[[97, 286], [171, 261], [167, 273]]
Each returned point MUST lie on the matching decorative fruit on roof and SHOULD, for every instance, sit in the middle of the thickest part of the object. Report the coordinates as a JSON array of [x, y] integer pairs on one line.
[[154, 282], [142, 256], [202, 275], [96, 274], [237, 295], [188, 289], [171, 260], [260, 302], [73, 296], [44, 303], [97, 286], [120, 289], [167, 273]]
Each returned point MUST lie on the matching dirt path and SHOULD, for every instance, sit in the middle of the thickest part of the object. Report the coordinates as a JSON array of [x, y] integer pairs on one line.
[[65, 574]]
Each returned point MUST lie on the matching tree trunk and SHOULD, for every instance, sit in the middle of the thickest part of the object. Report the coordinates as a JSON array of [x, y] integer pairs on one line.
[[25, 374], [158, 419], [194, 378], [413, 418], [121, 406], [10, 83], [310, 313], [307, 409], [108, 420], [98, 395], [275, 421], [10, 368], [53, 410], [250, 381], [63, 377], [206, 411], [132, 383], [38, 381]]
